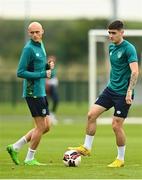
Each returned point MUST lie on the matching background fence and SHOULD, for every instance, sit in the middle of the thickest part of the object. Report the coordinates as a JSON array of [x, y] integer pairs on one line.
[[69, 91]]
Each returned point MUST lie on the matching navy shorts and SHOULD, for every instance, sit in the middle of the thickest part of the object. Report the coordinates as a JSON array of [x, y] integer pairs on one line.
[[109, 99], [38, 106]]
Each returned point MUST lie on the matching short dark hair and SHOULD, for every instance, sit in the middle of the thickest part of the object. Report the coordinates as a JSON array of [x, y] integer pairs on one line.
[[118, 25]]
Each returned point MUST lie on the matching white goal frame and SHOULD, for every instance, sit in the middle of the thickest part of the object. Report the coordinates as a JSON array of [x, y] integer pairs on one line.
[[94, 36]]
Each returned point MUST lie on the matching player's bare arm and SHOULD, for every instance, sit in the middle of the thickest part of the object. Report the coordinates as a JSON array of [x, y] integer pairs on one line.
[[133, 81]]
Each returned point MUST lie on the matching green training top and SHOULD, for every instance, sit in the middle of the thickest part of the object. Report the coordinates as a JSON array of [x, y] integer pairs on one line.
[[32, 68], [120, 57], [54, 72]]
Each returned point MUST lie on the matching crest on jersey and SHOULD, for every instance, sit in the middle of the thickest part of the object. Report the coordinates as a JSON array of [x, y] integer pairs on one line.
[[119, 54], [37, 54]]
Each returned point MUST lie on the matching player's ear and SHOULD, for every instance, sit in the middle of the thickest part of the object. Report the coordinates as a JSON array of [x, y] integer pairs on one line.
[[42, 31], [122, 32]]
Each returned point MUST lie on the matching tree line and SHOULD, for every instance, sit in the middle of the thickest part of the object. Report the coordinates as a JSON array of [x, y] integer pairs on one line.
[[67, 39]]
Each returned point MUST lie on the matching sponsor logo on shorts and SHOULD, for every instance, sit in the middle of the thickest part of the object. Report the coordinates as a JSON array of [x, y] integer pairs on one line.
[[118, 112], [43, 111]]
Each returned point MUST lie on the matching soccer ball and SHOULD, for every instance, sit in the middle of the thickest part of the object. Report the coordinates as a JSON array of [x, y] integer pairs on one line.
[[71, 158]]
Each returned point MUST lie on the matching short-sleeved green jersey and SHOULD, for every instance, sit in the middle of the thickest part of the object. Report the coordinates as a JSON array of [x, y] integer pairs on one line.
[[32, 68], [120, 57]]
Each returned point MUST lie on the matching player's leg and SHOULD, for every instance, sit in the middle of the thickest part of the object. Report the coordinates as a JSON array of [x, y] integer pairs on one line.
[[121, 111], [102, 104], [47, 121], [42, 125], [37, 132], [36, 106], [117, 125], [93, 114], [47, 126]]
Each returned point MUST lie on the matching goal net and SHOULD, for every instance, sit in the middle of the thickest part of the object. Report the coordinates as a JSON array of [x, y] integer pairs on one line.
[[99, 38]]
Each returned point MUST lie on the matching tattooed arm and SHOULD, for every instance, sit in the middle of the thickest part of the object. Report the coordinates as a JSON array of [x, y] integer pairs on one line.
[[133, 80]]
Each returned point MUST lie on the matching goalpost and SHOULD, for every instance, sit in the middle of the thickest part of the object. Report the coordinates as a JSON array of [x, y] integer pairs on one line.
[[95, 36]]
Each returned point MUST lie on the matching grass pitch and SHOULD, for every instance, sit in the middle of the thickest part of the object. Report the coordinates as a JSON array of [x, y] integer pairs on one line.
[[54, 144]]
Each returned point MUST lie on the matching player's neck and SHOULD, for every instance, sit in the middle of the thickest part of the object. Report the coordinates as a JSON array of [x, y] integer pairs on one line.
[[119, 42]]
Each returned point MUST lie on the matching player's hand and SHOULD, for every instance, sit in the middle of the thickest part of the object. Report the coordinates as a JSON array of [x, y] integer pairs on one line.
[[129, 97], [48, 73]]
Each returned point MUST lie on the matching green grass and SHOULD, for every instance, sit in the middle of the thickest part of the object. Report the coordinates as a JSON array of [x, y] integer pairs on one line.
[[54, 144]]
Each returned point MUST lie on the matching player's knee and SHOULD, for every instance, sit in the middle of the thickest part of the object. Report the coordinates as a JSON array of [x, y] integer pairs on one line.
[[43, 129], [91, 116], [46, 129], [117, 124], [116, 127]]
